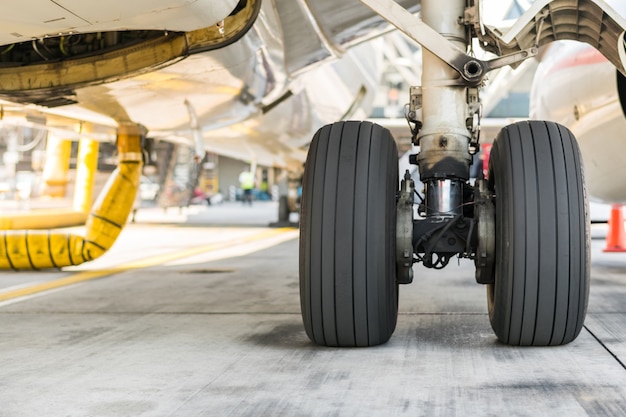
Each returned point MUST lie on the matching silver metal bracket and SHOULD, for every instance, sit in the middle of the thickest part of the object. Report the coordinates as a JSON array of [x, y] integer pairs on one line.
[[473, 121], [590, 21], [472, 70], [485, 251], [415, 103], [404, 231]]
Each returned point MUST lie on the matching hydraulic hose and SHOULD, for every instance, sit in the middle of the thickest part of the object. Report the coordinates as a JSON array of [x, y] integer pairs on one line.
[[41, 249]]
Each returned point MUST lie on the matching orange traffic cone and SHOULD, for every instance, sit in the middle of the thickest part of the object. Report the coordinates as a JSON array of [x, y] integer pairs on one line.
[[616, 237]]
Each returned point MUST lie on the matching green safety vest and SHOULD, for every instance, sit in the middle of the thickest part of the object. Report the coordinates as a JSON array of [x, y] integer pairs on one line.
[[247, 180]]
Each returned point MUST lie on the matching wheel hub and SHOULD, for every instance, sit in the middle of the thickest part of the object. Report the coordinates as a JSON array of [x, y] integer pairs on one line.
[[404, 231], [486, 245]]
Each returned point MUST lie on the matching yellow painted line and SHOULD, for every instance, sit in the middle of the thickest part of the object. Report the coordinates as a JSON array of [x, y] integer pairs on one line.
[[144, 263]]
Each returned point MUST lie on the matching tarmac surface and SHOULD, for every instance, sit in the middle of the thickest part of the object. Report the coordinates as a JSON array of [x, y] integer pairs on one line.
[[196, 313]]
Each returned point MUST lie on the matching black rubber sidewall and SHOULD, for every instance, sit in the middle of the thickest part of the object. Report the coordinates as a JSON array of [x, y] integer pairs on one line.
[[348, 289], [542, 236]]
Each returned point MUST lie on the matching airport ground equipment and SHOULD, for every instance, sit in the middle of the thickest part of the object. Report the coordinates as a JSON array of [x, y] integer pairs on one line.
[[525, 225]]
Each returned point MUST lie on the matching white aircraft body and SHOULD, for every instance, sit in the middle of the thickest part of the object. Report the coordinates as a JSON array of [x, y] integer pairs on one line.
[[259, 79], [575, 85]]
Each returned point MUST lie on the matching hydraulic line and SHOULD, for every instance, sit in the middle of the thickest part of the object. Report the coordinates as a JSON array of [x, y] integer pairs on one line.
[[41, 249]]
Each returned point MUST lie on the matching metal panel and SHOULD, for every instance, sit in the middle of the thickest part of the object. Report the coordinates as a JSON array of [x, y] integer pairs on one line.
[[590, 21], [318, 29], [46, 17], [43, 17], [303, 45], [349, 21], [150, 14]]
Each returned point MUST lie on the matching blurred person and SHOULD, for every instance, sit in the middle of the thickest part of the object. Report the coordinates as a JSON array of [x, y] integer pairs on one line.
[[246, 181]]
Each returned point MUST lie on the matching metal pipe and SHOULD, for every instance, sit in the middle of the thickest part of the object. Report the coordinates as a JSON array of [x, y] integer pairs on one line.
[[444, 198], [444, 157], [444, 136]]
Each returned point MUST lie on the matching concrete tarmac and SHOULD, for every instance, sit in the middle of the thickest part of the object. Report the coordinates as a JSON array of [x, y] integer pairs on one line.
[[197, 314]]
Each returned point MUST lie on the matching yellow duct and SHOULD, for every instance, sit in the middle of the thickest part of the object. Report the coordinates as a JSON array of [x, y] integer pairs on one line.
[[57, 165], [85, 174], [43, 219], [40, 249]]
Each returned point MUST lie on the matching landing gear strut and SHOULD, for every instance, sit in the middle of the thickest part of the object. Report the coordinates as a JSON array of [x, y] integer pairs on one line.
[[525, 226]]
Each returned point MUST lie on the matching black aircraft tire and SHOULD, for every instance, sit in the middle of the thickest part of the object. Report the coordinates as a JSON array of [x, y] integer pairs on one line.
[[348, 288], [539, 296]]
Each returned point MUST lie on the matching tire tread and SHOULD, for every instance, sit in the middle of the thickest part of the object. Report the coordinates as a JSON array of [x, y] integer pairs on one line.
[[542, 256], [347, 264]]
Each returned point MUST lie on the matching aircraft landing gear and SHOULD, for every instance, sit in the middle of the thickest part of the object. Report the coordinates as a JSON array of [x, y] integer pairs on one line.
[[525, 226]]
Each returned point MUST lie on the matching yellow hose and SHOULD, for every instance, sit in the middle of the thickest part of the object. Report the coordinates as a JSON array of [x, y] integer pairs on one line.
[[57, 165], [40, 249], [85, 174], [43, 219]]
